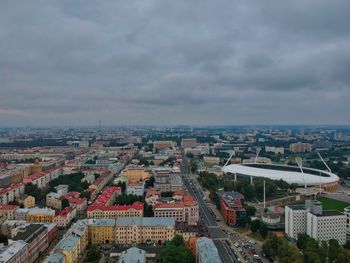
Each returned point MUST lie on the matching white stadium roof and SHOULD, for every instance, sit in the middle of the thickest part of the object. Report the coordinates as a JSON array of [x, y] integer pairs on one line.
[[290, 174]]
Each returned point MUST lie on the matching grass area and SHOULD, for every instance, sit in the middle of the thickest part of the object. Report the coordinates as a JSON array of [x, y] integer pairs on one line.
[[331, 204], [328, 203]]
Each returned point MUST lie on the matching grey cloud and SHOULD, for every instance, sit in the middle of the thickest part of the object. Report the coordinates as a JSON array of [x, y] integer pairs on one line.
[[200, 62]]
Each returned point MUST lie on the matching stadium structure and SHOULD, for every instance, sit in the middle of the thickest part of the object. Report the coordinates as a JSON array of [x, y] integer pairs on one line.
[[301, 176]]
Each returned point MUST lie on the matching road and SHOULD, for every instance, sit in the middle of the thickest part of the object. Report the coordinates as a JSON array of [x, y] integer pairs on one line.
[[214, 232]]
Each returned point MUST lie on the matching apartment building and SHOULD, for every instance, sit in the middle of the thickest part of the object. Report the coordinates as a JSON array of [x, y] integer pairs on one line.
[[36, 236], [300, 147], [168, 182], [64, 218], [54, 200], [314, 221], [40, 215], [17, 252], [11, 193], [160, 145], [189, 143], [128, 230], [8, 211], [101, 211], [183, 207]]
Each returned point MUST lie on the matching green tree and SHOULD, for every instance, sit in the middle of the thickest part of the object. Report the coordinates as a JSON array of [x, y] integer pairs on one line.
[[65, 203], [4, 239], [177, 252], [250, 210], [263, 230], [178, 240], [93, 254], [254, 225]]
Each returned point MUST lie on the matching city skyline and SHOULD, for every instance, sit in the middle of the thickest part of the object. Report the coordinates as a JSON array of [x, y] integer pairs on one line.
[[166, 63]]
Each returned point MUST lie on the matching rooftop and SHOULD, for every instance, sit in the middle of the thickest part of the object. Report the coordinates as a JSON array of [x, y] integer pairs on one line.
[[68, 243], [55, 258], [207, 251], [12, 250], [132, 255], [29, 232]]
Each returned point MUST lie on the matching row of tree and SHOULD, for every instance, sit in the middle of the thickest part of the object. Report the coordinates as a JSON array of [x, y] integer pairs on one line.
[[311, 251]]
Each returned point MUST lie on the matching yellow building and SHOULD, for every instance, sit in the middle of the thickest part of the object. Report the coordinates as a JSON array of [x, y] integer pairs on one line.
[[28, 201], [40, 215], [70, 248], [136, 175], [102, 231]]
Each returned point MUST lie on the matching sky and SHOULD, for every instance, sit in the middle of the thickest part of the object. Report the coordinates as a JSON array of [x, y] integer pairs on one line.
[[197, 62]]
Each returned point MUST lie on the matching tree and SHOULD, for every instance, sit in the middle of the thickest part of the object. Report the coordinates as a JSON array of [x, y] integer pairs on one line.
[[178, 240], [250, 210], [254, 225], [177, 252], [65, 203], [93, 254], [150, 182], [302, 241], [4, 239], [263, 230], [85, 194]]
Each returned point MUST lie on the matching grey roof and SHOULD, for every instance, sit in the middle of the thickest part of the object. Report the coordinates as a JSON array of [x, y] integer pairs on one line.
[[130, 221], [331, 213], [12, 250], [55, 258], [68, 243], [133, 255], [297, 207], [145, 221], [207, 251], [30, 232]]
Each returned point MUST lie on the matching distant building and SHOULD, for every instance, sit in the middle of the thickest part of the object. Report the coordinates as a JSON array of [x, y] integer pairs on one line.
[[168, 182], [275, 150], [160, 145], [300, 147], [206, 251], [211, 159], [231, 206], [312, 220], [189, 143]]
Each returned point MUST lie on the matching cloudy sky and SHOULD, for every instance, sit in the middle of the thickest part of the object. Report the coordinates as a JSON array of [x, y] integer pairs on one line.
[[174, 62]]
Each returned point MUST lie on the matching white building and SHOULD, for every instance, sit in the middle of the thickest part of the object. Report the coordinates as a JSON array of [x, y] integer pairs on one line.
[[347, 213], [318, 224], [136, 189], [275, 150]]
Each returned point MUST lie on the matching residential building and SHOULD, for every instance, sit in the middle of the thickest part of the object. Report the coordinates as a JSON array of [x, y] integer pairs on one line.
[[76, 201], [231, 206], [152, 196], [61, 189], [64, 218], [300, 147], [54, 200], [183, 207], [275, 150], [211, 159], [70, 248], [101, 211], [28, 201], [189, 143], [56, 257], [8, 211], [17, 252], [160, 145], [206, 251], [314, 221], [168, 182], [128, 230], [36, 236]]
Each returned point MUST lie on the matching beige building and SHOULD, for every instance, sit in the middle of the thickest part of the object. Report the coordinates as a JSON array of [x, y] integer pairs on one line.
[[54, 200], [189, 143], [161, 145], [28, 201], [300, 147], [211, 159], [128, 230]]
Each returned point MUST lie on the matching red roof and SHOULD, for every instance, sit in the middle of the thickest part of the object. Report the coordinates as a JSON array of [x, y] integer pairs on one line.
[[107, 195], [136, 206], [65, 212], [11, 187], [8, 207]]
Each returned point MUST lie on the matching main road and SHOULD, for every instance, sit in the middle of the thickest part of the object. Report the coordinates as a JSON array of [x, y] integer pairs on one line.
[[214, 231]]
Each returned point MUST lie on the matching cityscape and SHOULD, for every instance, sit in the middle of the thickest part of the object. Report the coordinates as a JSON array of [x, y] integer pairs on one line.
[[175, 131]]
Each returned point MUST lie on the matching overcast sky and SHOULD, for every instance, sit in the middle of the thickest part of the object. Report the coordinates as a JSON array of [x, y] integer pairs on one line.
[[174, 62]]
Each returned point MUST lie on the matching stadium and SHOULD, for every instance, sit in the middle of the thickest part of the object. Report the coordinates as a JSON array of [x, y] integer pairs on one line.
[[290, 174]]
